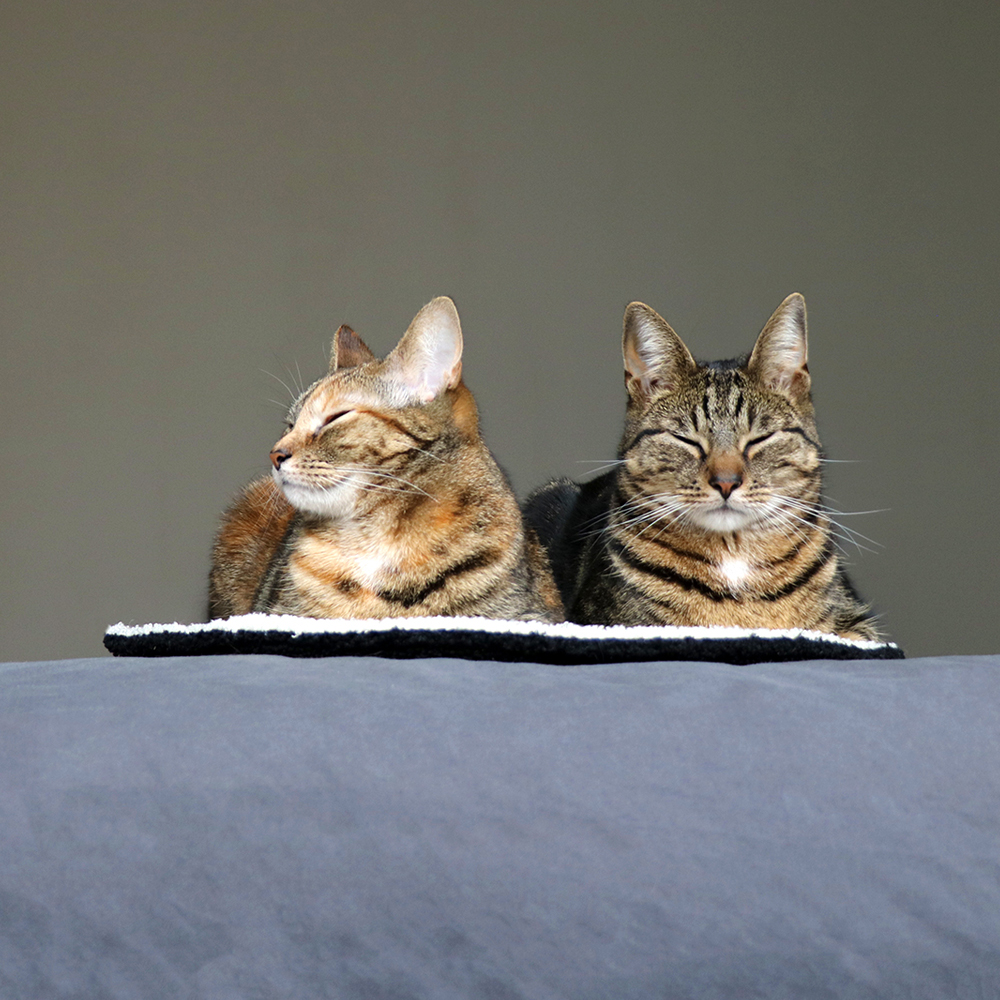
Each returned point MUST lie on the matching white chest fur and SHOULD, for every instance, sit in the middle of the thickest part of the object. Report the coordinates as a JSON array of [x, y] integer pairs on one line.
[[736, 572]]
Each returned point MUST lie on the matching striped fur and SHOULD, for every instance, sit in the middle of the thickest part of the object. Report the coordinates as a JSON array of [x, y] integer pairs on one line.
[[384, 501], [713, 512]]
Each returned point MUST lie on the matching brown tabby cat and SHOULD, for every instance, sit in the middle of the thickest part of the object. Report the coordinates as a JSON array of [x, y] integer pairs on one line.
[[384, 500], [713, 513]]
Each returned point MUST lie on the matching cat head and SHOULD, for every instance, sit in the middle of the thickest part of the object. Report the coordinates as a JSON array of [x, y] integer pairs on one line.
[[724, 446], [352, 432]]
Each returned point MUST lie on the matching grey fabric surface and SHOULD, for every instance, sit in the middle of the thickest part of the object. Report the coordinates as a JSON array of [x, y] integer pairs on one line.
[[262, 827]]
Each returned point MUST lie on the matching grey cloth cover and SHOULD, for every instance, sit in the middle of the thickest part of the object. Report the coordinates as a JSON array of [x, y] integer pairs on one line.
[[268, 827]]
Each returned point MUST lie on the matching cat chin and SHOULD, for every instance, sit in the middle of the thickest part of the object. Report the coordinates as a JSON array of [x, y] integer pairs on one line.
[[723, 520], [334, 503]]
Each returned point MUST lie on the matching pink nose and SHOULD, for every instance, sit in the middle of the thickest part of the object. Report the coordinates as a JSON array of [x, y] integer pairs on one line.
[[725, 483], [278, 456]]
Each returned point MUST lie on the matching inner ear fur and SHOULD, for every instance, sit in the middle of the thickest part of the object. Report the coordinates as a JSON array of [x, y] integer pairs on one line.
[[656, 359], [348, 350], [780, 356], [428, 358]]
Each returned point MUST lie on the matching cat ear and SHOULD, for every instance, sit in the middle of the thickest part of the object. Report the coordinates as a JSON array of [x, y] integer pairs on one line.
[[779, 356], [429, 357], [655, 357], [348, 350]]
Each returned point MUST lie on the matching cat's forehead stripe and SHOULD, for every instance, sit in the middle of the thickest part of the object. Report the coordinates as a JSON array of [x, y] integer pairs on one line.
[[723, 394]]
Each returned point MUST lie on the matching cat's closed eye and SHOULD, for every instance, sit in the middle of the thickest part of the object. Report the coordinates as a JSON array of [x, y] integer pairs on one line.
[[691, 443], [335, 416], [753, 442]]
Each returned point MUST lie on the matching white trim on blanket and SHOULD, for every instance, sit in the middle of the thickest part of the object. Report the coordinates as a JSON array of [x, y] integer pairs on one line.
[[293, 626]]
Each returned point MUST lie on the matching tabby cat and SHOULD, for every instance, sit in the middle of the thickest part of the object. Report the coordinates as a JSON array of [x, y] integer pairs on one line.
[[712, 514], [384, 501]]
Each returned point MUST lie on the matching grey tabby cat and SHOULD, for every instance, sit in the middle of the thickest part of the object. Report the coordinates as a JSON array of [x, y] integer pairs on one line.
[[713, 513]]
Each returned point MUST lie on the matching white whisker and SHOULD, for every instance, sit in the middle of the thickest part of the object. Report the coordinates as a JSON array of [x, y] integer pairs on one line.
[[287, 387], [845, 534], [429, 454], [658, 511], [413, 487]]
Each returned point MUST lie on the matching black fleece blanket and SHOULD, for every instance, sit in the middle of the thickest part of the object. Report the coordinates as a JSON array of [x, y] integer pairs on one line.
[[485, 639]]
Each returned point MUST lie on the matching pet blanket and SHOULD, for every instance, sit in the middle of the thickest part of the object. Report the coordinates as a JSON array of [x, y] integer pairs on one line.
[[486, 639]]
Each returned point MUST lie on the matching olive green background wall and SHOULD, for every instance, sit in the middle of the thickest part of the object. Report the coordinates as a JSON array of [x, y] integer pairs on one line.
[[196, 194]]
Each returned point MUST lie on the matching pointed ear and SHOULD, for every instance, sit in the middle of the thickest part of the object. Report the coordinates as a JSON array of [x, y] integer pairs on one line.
[[348, 350], [655, 357], [780, 354], [428, 359]]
